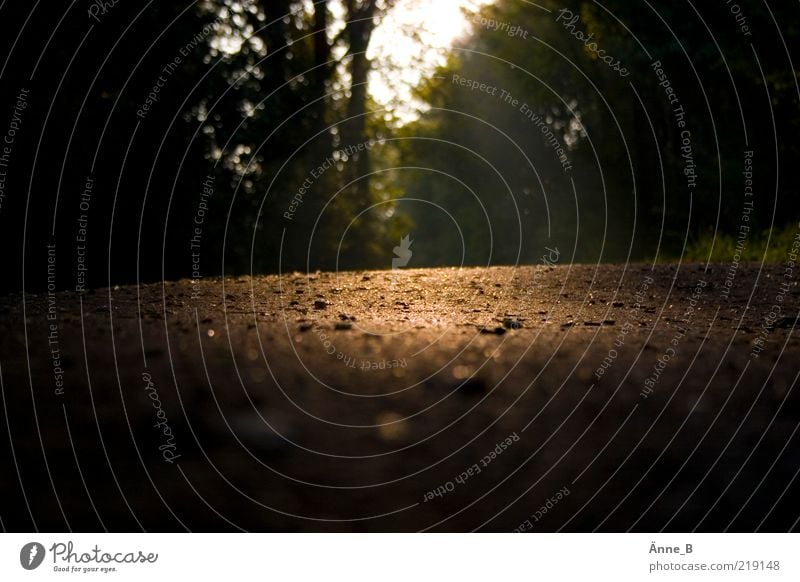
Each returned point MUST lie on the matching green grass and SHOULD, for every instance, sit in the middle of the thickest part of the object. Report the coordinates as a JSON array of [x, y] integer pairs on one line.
[[755, 249]]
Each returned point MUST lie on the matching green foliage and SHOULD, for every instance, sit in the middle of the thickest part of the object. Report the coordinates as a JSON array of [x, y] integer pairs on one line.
[[770, 245], [281, 117], [490, 168]]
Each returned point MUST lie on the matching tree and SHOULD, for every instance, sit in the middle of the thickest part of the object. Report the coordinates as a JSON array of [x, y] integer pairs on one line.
[[619, 132], [254, 101]]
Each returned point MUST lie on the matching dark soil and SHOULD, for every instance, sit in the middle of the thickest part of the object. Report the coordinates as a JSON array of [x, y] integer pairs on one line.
[[571, 398]]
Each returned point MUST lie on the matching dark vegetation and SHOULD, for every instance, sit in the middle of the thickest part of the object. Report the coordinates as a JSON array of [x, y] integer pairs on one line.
[[260, 119]]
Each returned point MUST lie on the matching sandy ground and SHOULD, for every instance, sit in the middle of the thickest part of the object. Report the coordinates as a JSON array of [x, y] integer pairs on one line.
[[572, 398]]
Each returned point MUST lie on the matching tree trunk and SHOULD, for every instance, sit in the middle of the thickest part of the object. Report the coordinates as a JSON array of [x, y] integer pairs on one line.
[[359, 31], [322, 54], [323, 143]]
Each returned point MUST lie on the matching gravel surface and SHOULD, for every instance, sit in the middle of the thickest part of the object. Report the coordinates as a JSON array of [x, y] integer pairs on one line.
[[571, 398]]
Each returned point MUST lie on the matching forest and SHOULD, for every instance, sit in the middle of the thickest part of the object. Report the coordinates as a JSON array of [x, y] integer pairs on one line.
[[241, 136]]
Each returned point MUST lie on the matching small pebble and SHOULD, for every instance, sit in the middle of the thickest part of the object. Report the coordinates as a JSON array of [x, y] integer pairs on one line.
[[493, 331]]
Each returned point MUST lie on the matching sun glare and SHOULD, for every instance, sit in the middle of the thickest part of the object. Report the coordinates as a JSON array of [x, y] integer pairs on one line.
[[410, 42]]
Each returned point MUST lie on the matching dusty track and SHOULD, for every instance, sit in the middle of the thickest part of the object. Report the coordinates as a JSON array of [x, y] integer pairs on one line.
[[338, 402]]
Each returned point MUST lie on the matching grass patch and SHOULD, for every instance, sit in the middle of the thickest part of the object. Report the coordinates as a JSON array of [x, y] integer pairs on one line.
[[752, 248]]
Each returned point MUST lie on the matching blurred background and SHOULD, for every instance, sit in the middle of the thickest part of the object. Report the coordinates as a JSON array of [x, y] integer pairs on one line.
[[168, 140]]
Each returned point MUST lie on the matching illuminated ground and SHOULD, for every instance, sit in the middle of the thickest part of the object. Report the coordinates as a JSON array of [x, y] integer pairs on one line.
[[341, 401]]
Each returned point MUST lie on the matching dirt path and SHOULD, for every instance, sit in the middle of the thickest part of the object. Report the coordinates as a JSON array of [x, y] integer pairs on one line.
[[539, 398]]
